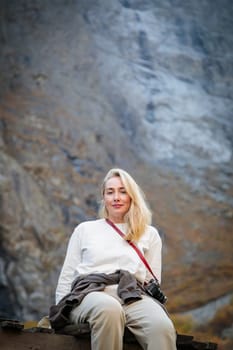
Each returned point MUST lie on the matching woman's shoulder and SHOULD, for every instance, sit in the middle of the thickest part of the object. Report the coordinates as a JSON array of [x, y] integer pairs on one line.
[[90, 223], [152, 232], [152, 228], [86, 227], [151, 238]]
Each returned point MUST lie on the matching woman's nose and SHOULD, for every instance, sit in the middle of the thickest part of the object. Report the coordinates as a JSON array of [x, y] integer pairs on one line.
[[116, 196]]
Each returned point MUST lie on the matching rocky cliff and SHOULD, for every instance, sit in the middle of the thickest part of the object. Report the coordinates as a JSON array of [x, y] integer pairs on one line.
[[88, 85]]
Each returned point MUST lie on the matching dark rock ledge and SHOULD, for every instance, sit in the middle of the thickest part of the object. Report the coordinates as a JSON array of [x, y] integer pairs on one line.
[[12, 333]]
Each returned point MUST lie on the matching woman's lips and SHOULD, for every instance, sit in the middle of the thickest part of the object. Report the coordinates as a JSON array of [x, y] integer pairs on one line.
[[117, 206]]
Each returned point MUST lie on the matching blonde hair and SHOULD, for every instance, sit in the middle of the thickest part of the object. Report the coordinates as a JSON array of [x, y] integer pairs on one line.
[[139, 214]]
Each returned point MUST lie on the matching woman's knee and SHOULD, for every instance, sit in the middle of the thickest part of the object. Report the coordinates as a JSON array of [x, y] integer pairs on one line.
[[98, 306], [109, 309], [163, 327]]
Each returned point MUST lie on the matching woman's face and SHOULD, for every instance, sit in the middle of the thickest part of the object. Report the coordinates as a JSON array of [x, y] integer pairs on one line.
[[116, 199]]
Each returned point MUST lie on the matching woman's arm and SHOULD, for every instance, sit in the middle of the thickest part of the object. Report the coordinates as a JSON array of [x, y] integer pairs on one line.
[[154, 254], [71, 262]]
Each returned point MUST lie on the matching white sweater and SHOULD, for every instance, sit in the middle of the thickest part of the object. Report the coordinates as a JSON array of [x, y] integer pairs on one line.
[[96, 247]]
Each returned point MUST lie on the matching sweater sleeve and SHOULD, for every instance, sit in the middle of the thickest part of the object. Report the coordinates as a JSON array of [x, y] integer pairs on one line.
[[69, 268], [154, 255]]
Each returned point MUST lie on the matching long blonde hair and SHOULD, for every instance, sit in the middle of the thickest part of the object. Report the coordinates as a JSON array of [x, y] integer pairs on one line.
[[139, 214]]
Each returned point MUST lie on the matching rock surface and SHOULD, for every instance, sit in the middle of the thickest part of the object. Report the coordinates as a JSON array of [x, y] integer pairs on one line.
[[88, 85]]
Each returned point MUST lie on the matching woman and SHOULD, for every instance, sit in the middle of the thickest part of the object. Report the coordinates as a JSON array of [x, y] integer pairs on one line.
[[97, 251]]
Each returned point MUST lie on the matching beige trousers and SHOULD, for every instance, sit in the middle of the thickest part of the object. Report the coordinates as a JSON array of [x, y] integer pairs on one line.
[[107, 317]]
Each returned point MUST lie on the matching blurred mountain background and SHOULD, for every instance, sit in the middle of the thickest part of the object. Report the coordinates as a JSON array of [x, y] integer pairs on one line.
[[139, 84]]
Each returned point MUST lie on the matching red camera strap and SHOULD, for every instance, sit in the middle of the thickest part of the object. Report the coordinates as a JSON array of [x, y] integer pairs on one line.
[[138, 251]]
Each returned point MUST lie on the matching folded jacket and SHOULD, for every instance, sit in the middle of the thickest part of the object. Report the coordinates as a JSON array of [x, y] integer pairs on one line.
[[128, 290]]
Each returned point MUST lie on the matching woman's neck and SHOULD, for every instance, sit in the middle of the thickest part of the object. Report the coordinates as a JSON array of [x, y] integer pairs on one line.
[[117, 220]]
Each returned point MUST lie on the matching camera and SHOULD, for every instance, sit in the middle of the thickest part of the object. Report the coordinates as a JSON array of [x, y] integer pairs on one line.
[[153, 289]]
